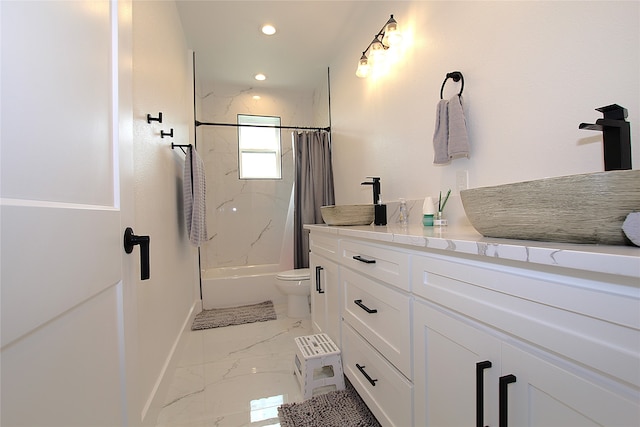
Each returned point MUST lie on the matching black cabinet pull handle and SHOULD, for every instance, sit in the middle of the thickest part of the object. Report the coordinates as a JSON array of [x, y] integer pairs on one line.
[[130, 240], [503, 405], [364, 307], [371, 380], [365, 260], [480, 367], [318, 288]]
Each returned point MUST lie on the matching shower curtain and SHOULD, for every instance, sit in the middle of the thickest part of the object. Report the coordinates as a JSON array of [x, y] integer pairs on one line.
[[313, 187]]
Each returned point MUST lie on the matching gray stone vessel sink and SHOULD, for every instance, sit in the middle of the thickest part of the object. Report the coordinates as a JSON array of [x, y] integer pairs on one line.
[[587, 208], [347, 214]]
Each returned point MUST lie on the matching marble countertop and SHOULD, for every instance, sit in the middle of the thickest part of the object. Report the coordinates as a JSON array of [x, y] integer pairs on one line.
[[618, 260]]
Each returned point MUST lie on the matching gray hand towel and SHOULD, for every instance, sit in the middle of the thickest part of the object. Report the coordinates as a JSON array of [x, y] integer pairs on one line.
[[458, 139], [441, 133], [194, 192], [631, 227]]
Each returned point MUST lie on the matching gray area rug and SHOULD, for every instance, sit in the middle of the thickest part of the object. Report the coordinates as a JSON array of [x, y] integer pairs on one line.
[[219, 317], [342, 408]]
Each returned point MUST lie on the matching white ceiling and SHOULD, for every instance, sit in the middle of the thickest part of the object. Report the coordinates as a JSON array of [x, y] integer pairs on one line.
[[230, 47]]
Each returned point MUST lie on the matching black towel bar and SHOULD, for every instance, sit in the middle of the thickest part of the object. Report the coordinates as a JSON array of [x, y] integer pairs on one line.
[[456, 76], [182, 147]]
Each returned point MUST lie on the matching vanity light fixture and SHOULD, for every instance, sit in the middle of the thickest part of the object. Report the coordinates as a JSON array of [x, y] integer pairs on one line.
[[374, 56]]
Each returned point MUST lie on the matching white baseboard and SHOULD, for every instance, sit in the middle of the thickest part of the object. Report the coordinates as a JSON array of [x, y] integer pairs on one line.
[[155, 401]]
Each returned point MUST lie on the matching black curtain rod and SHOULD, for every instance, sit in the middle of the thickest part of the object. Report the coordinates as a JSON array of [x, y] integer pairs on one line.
[[328, 129]]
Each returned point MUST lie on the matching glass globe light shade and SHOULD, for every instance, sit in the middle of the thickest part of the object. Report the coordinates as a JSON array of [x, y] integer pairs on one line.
[[393, 38], [363, 67], [376, 52], [392, 35]]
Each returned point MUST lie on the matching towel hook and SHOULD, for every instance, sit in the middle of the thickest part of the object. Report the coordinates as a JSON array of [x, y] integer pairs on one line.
[[154, 119], [456, 76]]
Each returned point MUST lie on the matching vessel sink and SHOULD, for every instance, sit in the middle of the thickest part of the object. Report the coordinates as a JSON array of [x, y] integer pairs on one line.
[[347, 214], [587, 208]]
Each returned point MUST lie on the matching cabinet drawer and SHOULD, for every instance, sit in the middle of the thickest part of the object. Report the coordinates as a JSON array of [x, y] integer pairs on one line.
[[566, 315], [323, 244], [391, 398], [387, 265], [381, 315]]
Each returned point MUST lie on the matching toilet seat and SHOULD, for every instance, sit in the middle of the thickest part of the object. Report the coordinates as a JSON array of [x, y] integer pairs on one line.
[[294, 275]]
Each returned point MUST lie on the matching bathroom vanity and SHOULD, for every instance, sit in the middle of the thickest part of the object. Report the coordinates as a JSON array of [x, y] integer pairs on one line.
[[443, 327]]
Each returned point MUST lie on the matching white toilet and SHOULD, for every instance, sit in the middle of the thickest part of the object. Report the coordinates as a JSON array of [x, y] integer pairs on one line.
[[297, 286]]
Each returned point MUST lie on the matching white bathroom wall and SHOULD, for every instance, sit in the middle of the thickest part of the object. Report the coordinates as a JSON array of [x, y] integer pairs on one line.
[[161, 82], [533, 71], [246, 218]]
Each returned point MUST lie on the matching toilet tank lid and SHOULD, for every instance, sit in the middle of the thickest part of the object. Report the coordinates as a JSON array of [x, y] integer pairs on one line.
[[297, 274]]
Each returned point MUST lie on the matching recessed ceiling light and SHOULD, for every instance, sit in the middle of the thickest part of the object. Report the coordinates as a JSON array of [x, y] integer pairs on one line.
[[269, 30], [256, 97], [260, 77]]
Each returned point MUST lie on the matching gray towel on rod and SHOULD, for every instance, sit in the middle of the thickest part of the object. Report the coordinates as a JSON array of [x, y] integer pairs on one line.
[[441, 133], [458, 145], [194, 192]]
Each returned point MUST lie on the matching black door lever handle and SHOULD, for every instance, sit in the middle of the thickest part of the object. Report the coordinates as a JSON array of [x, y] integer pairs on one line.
[[130, 240]]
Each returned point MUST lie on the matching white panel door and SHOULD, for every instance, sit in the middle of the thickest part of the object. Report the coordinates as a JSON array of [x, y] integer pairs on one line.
[[66, 136]]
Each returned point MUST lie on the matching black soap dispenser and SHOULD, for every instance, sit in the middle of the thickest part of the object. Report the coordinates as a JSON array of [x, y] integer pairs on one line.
[[380, 214]]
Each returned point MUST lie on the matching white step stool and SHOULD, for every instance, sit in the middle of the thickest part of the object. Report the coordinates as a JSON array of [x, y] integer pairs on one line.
[[315, 354]]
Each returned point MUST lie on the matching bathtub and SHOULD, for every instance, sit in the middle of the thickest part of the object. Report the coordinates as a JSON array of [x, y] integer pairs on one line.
[[233, 286]]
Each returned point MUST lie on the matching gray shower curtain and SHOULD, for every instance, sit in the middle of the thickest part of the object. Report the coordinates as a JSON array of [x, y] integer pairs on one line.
[[313, 187]]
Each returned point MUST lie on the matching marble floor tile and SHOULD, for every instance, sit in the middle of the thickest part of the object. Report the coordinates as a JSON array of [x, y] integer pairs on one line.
[[235, 376]]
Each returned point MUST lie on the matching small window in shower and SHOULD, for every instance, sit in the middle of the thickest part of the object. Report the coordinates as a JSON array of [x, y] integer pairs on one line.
[[259, 147]]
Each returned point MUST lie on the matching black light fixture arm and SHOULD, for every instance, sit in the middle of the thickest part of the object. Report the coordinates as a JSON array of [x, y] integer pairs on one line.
[[379, 37]]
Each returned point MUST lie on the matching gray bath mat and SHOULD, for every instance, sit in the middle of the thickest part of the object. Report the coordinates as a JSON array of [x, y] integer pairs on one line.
[[340, 408], [218, 317]]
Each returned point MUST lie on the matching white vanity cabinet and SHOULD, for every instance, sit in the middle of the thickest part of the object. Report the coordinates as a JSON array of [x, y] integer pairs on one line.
[[499, 345], [462, 331], [325, 286]]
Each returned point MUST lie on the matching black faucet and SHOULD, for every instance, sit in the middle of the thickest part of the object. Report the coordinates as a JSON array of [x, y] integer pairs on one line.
[[376, 188], [616, 136]]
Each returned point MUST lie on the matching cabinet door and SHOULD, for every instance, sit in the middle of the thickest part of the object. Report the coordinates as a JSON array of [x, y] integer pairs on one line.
[[325, 297], [446, 375], [547, 395]]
